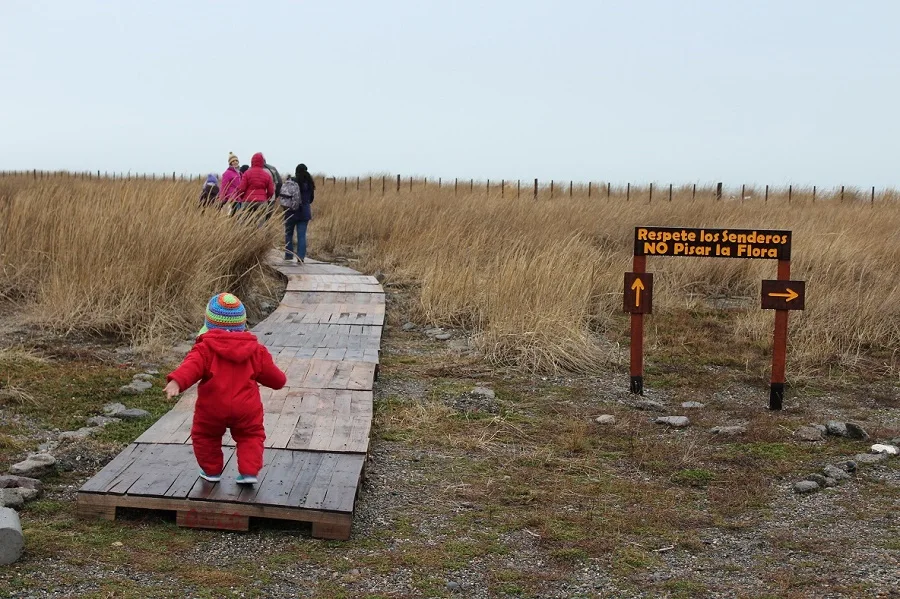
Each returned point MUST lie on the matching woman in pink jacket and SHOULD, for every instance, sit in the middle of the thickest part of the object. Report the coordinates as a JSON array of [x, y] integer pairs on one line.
[[229, 192]]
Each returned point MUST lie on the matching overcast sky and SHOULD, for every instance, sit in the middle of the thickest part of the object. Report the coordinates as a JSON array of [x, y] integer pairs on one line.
[[766, 91]]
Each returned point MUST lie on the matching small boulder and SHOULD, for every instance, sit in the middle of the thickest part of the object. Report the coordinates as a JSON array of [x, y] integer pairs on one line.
[[11, 498], [484, 392], [817, 478], [729, 431], [135, 387], [133, 414], [836, 428], [152, 372], [82, 433], [12, 542], [35, 466], [409, 326], [821, 428], [605, 419], [830, 482], [886, 449], [835, 473], [673, 421], [870, 458], [849, 466], [649, 405], [102, 421], [806, 486], [144, 377], [692, 405], [855, 431], [21, 482], [113, 409], [453, 586], [443, 337], [808, 433]]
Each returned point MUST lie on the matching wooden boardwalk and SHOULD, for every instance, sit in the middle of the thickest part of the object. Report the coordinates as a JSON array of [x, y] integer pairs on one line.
[[325, 335]]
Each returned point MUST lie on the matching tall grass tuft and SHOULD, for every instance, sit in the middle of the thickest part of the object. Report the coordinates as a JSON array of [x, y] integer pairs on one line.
[[137, 259]]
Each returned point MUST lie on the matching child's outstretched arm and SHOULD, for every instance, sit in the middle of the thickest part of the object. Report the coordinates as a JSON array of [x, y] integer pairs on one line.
[[189, 372], [269, 374]]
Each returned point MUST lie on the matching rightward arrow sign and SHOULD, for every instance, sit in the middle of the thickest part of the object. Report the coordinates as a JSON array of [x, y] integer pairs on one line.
[[783, 295], [638, 293]]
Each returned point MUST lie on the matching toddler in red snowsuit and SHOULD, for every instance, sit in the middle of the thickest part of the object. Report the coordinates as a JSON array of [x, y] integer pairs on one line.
[[230, 364]]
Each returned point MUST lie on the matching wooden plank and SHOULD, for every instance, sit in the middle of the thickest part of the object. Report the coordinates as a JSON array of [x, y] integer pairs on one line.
[[319, 488], [159, 477], [281, 432], [100, 481], [145, 454], [303, 285], [279, 484], [341, 491], [202, 489], [194, 518]]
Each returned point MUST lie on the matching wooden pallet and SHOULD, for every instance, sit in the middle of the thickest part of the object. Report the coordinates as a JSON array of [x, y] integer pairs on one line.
[[325, 335]]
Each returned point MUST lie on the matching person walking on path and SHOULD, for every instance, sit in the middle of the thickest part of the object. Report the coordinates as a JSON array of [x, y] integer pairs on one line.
[[256, 185], [231, 182], [296, 196], [230, 364], [209, 194]]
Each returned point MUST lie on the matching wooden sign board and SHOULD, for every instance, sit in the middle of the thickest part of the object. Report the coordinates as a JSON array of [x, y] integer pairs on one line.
[[712, 243], [783, 295], [638, 292]]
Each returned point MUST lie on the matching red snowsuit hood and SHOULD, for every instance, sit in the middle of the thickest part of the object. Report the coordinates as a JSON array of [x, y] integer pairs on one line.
[[258, 160], [229, 345]]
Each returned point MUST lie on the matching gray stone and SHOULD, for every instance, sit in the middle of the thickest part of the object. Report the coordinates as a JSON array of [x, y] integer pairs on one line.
[[453, 586], [113, 409], [443, 337], [11, 498], [835, 473], [649, 405], [806, 486], [855, 431], [409, 326], [808, 433], [47, 446], [890, 450], [817, 478], [37, 465], [728, 430], [849, 466], [692, 405], [821, 428], [673, 421], [870, 458], [11, 540], [459, 344], [82, 433], [152, 372], [605, 419], [133, 414], [830, 482], [433, 332], [21, 482], [144, 377], [484, 392], [135, 387], [836, 428], [102, 421]]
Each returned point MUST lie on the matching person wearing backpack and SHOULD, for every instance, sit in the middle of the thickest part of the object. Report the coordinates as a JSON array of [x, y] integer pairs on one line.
[[296, 196], [209, 194]]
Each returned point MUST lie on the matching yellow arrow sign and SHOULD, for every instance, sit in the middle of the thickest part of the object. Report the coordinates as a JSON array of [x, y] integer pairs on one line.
[[637, 287], [790, 295]]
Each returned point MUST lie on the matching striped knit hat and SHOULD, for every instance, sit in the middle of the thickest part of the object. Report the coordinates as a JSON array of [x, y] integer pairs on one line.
[[225, 312]]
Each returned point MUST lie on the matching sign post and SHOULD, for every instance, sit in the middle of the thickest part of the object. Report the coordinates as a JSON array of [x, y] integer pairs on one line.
[[781, 295]]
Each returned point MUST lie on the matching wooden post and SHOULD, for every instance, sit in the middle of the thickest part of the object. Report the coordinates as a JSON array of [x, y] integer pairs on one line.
[[551, 189], [628, 193], [719, 191], [502, 187], [639, 265], [873, 195], [790, 193], [779, 348], [743, 188], [357, 183], [535, 188], [814, 193], [570, 188], [842, 194], [518, 188], [425, 183], [767, 193], [382, 184], [471, 185], [410, 182], [694, 193], [487, 189], [35, 174], [398, 183], [670, 192], [589, 190], [608, 189], [650, 197], [455, 184], [345, 184]]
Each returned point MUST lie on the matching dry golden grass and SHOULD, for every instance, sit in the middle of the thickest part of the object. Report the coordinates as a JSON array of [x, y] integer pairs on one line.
[[540, 282], [133, 258]]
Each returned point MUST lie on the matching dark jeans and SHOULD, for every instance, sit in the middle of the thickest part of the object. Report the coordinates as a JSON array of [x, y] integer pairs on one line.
[[300, 227]]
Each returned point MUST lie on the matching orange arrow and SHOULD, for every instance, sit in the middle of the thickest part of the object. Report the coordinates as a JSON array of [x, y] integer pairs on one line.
[[790, 295], [637, 287]]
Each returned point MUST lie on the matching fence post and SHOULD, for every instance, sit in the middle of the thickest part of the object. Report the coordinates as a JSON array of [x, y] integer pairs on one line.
[[518, 188], [455, 185], [382, 184], [790, 193], [842, 193], [743, 188], [570, 188], [589, 190], [398, 183], [502, 187], [718, 191], [608, 189], [628, 192], [357, 183], [425, 183], [551, 189], [873, 195], [670, 192], [410, 182], [814, 193], [471, 185], [440, 182], [35, 174], [650, 197], [488, 188], [694, 193], [535, 188], [345, 184], [767, 193]]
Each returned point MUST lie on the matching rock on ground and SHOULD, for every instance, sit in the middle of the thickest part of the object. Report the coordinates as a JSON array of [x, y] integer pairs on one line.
[[82, 433], [22, 482], [855, 431], [692, 405], [605, 419], [11, 498], [443, 336], [887, 449], [817, 478], [809, 433], [728, 430], [144, 377], [673, 421], [135, 387], [649, 405], [835, 473], [36, 465], [836, 428], [408, 326], [870, 458], [12, 543], [484, 392], [102, 421], [113, 409], [806, 486], [133, 414]]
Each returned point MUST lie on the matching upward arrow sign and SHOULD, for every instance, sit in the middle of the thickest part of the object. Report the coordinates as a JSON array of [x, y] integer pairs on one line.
[[637, 287]]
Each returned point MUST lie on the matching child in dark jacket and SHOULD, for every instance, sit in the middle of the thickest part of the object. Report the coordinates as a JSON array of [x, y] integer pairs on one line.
[[230, 364]]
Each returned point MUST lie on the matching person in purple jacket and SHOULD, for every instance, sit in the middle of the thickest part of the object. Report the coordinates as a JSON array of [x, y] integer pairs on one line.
[[231, 182]]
